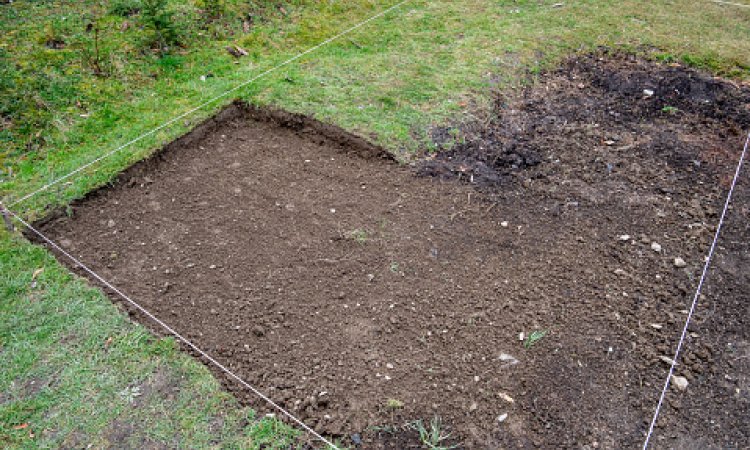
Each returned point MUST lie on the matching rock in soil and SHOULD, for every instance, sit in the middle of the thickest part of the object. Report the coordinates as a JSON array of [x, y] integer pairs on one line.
[[681, 383]]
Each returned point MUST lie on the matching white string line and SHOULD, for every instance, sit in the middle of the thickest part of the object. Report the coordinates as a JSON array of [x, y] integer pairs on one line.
[[206, 103], [313, 432], [250, 81], [149, 133], [721, 2], [697, 293], [169, 329]]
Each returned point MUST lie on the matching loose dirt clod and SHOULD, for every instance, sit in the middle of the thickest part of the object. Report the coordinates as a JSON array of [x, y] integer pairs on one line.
[[333, 312]]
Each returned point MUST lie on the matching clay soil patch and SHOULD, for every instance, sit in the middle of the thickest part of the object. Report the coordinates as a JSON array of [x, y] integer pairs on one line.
[[343, 284]]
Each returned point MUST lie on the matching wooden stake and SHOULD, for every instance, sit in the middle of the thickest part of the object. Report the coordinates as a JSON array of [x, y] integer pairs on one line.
[[6, 218]]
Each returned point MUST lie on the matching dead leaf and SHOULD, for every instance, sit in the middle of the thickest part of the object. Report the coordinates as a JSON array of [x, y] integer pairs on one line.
[[125, 25], [107, 342], [36, 273], [283, 11], [245, 26], [21, 427]]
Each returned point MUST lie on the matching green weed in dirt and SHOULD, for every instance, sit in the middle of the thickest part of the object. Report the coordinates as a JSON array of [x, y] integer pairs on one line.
[[533, 338], [358, 235], [80, 78], [393, 404], [432, 436]]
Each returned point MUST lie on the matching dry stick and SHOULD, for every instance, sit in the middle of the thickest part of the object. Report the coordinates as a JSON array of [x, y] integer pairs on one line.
[[169, 329], [204, 104], [697, 293]]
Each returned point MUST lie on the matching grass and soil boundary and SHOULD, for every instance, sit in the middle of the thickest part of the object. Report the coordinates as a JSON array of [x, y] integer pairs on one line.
[[79, 79]]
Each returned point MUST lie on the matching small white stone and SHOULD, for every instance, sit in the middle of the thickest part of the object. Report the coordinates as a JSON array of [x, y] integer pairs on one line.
[[501, 418], [680, 383], [656, 326], [624, 237], [679, 262], [509, 360], [655, 246], [648, 92], [389, 366], [504, 224]]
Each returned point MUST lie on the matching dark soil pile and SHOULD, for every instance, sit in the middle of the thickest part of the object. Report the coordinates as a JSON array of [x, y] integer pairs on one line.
[[362, 297], [648, 150]]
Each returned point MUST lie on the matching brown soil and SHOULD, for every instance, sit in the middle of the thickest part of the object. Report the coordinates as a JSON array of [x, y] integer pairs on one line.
[[335, 280]]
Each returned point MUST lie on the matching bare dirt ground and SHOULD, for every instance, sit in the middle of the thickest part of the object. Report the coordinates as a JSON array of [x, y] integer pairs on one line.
[[344, 285]]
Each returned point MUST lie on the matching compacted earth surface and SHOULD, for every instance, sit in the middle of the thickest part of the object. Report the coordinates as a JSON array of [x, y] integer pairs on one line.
[[363, 295]]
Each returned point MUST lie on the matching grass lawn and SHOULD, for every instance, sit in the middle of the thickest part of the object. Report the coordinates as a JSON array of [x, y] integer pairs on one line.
[[78, 79]]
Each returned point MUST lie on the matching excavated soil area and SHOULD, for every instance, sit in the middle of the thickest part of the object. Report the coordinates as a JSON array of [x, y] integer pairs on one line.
[[362, 294]]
